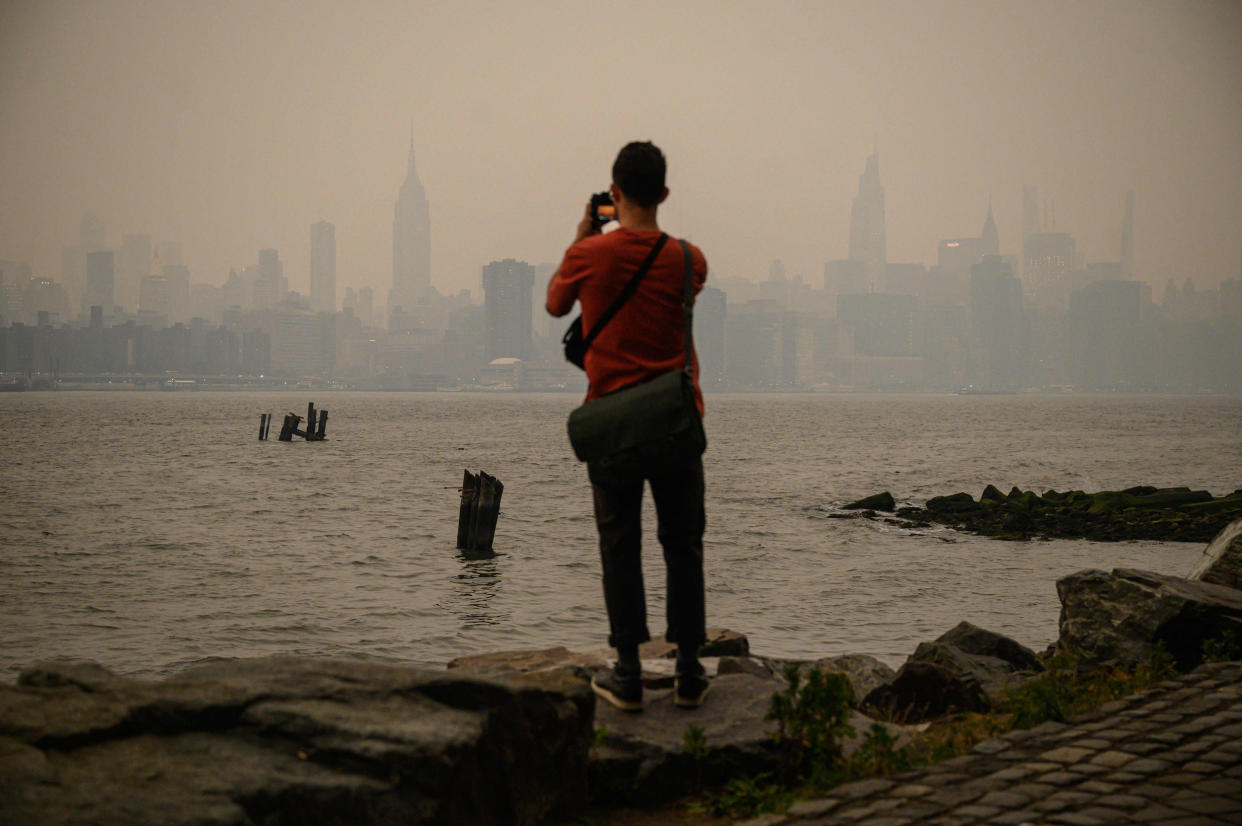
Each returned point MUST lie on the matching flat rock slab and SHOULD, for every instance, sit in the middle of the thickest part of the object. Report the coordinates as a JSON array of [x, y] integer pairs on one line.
[[641, 758], [291, 740]]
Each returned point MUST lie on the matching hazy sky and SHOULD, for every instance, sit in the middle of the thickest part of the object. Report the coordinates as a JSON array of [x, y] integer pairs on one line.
[[233, 126]]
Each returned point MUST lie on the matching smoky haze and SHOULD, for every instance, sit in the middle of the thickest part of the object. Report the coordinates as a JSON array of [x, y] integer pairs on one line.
[[231, 127]]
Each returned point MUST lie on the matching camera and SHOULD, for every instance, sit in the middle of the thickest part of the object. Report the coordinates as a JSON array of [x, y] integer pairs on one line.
[[602, 209]]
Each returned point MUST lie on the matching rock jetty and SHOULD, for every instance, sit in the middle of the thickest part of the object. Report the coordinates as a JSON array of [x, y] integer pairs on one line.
[[1164, 514]]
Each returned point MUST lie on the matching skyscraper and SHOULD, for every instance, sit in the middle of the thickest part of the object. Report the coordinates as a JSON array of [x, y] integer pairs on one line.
[[411, 241], [989, 240], [268, 283], [867, 241], [507, 288], [133, 260], [1127, 238], [323, 267]]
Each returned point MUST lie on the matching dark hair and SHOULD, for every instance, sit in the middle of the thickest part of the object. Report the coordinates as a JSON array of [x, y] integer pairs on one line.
[[639, 171]]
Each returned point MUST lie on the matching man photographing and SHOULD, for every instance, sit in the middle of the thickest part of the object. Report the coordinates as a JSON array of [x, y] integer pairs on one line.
[[644, 340]]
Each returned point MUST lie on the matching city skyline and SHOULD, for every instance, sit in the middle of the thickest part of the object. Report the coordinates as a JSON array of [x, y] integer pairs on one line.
[[215, 132]]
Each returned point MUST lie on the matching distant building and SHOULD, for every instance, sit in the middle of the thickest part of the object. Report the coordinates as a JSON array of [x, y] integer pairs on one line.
[[904, 279], [710, 322], [1127, 238], [844, 277], [1048, 260], [755, 344], [867, 233], [154, 297], [100, 280], [997, 324], [507, 287], [133, 261], [1104, 327], [178, 276], [883, 325], [268, 280], [956, 256], [323, 267], [411, 241]]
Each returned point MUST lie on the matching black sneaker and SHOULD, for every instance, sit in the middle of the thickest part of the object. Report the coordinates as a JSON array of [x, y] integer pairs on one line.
[[691, 687], [625, 691]]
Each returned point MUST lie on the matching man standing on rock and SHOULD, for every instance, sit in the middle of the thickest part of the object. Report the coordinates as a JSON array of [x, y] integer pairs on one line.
[[644, 340]]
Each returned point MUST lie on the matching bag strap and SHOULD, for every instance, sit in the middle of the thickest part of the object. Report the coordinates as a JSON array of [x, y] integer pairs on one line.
[[687, 301], [627, 293]]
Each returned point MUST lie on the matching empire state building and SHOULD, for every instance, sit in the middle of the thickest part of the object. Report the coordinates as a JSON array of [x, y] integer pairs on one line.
[[411, 242]]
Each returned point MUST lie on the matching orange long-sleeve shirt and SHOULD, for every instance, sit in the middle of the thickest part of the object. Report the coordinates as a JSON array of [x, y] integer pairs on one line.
[[646, 337]]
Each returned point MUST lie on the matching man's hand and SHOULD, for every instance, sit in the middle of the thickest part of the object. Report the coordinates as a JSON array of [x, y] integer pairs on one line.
[[586, 226]]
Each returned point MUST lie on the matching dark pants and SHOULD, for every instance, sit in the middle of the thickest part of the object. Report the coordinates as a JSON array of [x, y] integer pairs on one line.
[[679, 510]]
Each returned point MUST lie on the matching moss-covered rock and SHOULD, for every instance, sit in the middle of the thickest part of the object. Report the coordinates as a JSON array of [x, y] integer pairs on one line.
[[1141, 512]]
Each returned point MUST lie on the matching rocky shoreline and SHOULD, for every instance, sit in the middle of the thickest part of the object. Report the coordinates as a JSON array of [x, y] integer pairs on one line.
[[516, 737], [1162, 514]]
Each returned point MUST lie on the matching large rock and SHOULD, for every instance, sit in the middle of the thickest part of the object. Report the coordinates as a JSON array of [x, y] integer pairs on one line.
[[1119, 617], [291, 740], [876, 502], [965, 669], [1222, 558]]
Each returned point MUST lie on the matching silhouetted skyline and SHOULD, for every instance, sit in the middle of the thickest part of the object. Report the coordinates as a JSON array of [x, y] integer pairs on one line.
[[231, 127]]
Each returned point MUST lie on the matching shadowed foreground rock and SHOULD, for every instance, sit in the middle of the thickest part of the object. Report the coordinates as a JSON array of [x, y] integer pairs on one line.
[[291, 740], [1119, 617], [965, 669]]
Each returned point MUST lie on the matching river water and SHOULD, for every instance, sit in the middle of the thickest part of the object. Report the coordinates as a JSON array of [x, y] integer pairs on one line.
[[152, 531]]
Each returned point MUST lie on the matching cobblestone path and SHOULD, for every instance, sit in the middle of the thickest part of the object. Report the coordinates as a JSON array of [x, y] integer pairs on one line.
[[1171, 756]]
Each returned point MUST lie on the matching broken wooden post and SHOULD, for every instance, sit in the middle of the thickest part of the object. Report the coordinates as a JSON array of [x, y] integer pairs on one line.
[[323, 425], [469, 497], [262, 423], [479, 511], [289, 428], [267, 430]]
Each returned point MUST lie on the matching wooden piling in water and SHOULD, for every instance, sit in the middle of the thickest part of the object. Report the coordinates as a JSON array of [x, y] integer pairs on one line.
[[469, 496], [323, 425], [478, 512], [288, 428], [262, 423]]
